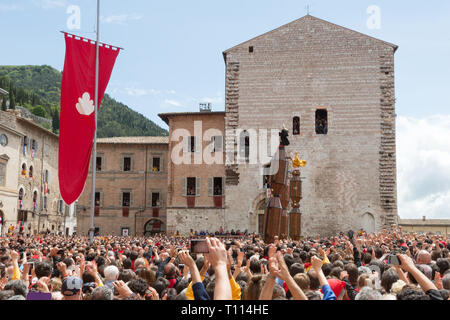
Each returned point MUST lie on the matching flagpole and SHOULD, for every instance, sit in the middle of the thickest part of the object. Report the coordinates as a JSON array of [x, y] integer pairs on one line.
[[94, 154]]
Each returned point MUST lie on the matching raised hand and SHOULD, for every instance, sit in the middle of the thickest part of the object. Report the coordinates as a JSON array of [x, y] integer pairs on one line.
[[240, 258], [217, 253], [185, 258], [283, 270], [122, 288], [272, 251], [316, 263]]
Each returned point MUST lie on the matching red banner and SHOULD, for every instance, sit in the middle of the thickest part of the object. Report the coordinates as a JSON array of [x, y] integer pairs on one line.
[[77, 119]]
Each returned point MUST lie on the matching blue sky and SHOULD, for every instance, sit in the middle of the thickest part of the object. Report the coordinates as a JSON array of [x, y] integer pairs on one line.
[[173, 59]]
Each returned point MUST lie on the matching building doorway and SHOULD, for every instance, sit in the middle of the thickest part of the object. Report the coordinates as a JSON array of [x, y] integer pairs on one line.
[[368, 223], [153, 226], [260, 213]]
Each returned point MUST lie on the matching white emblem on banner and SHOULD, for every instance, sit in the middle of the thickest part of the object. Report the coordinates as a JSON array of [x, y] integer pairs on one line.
[[85, 105]]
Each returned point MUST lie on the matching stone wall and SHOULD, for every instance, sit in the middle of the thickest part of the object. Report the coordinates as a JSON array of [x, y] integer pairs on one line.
[[294, 70]]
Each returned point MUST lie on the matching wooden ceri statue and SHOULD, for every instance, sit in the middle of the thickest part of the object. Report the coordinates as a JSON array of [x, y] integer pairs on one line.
[[275, 215], [295, 193]]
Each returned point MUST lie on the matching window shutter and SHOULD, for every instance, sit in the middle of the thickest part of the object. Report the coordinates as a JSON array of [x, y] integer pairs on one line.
[[131, 164], [218, 143], [185, 144], [197, 186], [120, 198], [161, 166], [121, 163], [197, 142], [183, 186], [210, 186], [223, 186], [151, 164], [242, 144], [131, 199]]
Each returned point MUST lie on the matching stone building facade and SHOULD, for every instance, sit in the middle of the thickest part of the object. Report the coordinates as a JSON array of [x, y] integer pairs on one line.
[[196, 176], [333, 89], [39, 206], [424, 226], [10, 141], [131, 187], [304, 74]]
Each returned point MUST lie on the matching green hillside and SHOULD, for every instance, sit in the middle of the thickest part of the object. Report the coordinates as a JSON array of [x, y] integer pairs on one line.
[[38, 89]]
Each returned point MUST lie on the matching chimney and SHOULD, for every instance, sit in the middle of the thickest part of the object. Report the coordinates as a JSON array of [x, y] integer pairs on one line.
[[423, 218]]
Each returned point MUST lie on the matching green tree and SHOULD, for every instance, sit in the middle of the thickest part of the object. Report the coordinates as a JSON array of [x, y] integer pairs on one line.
[[12, 100], [55, 120], [39, 111], [4, 107]]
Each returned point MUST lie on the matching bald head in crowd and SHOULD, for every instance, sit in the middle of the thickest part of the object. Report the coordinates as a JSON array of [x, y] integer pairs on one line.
[[423, 257]]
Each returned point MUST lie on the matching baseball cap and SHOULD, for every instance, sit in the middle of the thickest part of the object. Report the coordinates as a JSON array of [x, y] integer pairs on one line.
[[71, 286]]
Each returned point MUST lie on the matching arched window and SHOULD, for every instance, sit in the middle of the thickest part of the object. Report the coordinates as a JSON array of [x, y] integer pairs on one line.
[[31, 172], [24, 169], [295, 125], [21, 194], [321, 121]]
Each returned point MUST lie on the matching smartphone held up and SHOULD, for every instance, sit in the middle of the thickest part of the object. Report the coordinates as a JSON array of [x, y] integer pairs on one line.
[[198, 246]]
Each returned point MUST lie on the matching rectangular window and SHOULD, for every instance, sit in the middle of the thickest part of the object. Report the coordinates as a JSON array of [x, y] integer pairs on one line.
[[218, 186], [191, 186], [126, 197], [99, 164], [217, 140], [97, 199], [321, 121], [155, 199], [2, 174], [156, 164], [126, 164], [296, 125], [191, 144]]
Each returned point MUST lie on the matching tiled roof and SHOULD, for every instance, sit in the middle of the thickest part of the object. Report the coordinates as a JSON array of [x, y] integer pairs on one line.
[[426, 222], [135, 140]]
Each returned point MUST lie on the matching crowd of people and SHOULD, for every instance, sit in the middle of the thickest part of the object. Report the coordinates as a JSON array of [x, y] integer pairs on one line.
[[389, 265]]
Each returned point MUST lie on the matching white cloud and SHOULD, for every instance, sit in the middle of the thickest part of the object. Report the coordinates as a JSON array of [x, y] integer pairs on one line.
[[9, 7], [423, 167], [137, 92], [121, 18], [172, 102]]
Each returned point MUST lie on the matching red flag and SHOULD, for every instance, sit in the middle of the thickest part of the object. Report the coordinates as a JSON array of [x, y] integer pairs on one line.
[[77, 119]]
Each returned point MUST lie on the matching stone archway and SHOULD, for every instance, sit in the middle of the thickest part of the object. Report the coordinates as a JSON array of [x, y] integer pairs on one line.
[[257, 209], [152, 226], [368, 222]]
